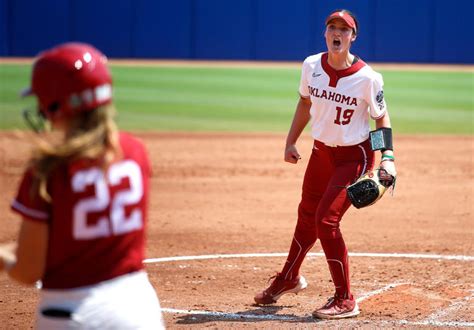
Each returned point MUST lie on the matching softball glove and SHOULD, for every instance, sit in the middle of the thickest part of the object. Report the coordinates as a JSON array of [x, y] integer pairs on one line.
[[370, 187]]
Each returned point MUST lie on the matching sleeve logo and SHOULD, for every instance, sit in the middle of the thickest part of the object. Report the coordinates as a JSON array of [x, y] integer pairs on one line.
[[379, 99]]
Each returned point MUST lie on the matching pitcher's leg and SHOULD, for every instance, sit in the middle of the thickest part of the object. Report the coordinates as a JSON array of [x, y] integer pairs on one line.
[[350, 163], [303, 240], [289, 280], [317, 176], [315, 181], [331, 209], [338, 262]]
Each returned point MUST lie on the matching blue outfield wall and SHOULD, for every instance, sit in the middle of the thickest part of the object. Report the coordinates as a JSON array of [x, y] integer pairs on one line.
[[423, 31]]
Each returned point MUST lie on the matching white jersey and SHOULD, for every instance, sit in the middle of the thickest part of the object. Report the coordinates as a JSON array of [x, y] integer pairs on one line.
[[342, 100]]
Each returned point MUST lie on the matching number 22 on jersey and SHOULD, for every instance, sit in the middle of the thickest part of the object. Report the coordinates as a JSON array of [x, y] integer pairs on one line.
[[116, 222]]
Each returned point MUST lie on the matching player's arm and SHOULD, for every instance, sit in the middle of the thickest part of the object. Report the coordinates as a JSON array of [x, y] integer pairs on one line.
[[7, 256], [28, 263], [384, 122], [300, 120], [388, 162]]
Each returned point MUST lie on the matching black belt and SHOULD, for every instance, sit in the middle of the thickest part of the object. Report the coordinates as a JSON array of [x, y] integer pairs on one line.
[[57, 312]]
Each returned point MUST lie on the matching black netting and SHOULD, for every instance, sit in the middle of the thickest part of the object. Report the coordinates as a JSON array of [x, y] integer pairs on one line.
[[363, 193]]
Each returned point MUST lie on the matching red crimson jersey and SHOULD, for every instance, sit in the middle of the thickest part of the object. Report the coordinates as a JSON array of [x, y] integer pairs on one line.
[[96, 219]]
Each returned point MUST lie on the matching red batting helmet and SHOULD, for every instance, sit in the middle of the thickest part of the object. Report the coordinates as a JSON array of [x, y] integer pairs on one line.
[[70, 78]]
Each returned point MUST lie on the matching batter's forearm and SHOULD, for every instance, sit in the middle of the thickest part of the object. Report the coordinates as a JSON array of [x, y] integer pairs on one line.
[[300, 120]]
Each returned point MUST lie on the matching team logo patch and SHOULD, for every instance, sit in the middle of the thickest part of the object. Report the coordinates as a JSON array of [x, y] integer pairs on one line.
[[379, 99]]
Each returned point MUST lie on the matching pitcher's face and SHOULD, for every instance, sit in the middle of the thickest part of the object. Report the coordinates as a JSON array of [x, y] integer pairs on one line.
[[339, 36]]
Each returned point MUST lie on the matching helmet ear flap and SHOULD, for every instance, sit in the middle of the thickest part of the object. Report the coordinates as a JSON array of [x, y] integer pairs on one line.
[[48, 112]]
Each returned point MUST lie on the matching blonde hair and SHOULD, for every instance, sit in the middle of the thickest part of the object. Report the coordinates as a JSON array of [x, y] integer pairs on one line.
[[90, 135]]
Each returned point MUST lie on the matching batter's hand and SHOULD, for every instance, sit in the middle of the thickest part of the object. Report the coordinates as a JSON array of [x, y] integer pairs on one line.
[[291, 154]]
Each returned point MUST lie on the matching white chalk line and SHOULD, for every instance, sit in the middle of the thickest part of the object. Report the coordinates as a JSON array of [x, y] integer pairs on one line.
[[378, 291], [431, 321], [271, 317], [452, 308], [312, 254], [439, 323], [232, 316]]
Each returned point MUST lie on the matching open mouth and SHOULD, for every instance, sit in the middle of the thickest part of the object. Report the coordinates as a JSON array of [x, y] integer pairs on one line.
[[336, 42]]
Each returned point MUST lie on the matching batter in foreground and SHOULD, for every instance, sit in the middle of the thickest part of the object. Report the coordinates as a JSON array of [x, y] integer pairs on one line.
[[83, 201], [338, 94]]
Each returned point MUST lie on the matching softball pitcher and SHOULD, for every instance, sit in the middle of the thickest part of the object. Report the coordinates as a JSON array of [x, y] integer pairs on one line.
[[83, 202], [338, 94]]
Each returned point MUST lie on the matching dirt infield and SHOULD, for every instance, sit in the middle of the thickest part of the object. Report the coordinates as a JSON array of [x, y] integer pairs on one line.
[[232, 194]]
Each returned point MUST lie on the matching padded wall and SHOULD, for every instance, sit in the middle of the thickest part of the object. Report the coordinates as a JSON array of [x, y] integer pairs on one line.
[[430, 31]]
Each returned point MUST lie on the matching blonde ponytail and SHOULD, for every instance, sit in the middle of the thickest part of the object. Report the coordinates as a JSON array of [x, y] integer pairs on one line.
[[90, 135]]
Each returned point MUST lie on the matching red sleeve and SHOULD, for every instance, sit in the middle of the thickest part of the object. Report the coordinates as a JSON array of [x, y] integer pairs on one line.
[[134, 147], [30, 206]]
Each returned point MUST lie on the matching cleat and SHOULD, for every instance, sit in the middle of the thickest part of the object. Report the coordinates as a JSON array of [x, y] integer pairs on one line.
[[338, 308], [278, 288]]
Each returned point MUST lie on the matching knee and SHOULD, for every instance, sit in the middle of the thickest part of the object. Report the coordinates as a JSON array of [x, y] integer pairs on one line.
[[306, 236], [328, 228], [307, 214]]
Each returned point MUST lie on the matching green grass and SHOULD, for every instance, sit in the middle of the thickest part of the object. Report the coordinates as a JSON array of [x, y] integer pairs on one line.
[[251, 99]]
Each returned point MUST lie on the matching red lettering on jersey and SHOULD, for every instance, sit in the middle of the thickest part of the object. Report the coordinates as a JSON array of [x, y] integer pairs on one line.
[[332, 96]]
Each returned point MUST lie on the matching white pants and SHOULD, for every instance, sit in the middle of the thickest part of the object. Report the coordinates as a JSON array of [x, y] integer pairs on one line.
[[125, 302]]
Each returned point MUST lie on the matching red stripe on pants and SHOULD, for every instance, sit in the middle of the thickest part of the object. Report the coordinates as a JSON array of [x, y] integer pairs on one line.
[[324, 200]]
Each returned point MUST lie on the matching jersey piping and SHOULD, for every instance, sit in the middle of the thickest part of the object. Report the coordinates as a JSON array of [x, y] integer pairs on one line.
[[28, 212], [335, 75]]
